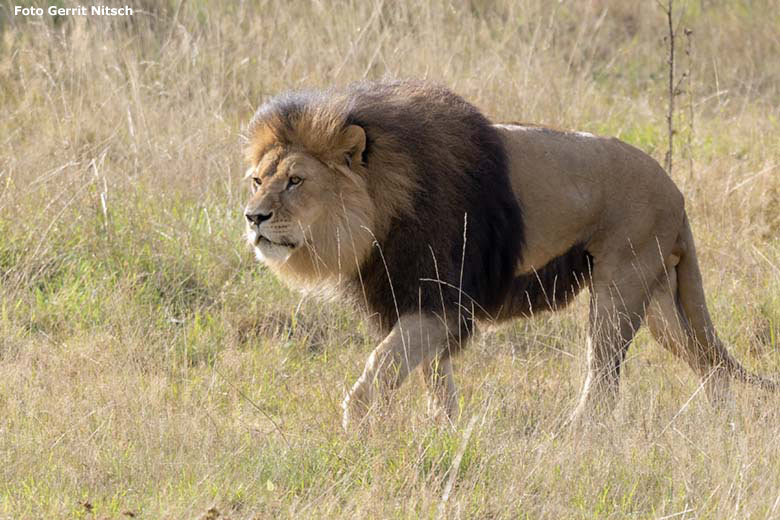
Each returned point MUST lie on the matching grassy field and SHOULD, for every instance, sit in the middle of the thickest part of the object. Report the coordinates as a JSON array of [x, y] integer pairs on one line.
[[149, 368]]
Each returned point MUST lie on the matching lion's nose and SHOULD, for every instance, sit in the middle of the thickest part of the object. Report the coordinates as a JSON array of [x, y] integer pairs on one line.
[[258, 218]]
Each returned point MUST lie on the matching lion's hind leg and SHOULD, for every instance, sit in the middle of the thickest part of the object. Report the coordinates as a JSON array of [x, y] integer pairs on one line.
[[614, 320], [682, 324], [670, 327], [622, 284]]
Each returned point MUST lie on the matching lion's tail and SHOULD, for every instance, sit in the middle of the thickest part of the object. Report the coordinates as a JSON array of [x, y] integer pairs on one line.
[[551, 287], [691, 297]]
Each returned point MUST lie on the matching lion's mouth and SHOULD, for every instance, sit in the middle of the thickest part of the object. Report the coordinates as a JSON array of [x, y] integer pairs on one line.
[[260, 240]]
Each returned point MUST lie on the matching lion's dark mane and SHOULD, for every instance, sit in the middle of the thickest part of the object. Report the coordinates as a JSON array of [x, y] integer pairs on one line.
[[461, 169]]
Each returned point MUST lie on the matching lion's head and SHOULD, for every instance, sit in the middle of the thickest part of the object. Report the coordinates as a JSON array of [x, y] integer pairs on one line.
[[309, 213]]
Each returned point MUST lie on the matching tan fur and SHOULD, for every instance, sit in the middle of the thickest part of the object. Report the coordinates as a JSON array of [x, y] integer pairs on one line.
[[574, 188]]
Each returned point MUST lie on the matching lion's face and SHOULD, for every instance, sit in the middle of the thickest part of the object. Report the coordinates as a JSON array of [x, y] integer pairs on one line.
[[287, 197], [307, 219]]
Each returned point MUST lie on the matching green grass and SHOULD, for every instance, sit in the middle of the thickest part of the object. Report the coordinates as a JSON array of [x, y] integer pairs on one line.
[[149, 365]]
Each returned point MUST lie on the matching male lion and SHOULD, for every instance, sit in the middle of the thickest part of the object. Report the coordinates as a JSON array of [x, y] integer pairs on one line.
[[402, 197]]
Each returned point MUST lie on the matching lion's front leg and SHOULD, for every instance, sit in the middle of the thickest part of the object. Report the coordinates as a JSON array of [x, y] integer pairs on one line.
[[415, 338], [443, 395]]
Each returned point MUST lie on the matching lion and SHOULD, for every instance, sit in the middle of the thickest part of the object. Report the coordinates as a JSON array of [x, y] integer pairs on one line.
[[404, 199]]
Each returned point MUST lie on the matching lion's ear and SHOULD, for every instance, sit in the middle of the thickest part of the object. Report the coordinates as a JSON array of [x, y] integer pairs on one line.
[[353, 142]]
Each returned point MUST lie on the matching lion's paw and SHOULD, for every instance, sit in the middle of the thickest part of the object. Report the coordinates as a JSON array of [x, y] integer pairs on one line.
[[355, 407]]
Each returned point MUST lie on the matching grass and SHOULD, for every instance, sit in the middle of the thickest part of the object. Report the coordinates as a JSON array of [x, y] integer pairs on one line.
[[149, 366]]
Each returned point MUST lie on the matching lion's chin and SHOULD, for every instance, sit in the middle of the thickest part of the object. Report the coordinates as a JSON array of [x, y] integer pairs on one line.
[[270, 252]]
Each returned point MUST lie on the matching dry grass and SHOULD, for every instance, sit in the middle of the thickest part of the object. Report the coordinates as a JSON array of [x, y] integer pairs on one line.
[[149, 367]]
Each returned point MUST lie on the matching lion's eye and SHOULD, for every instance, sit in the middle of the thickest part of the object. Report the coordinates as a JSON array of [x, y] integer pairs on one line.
[[256, 182], [294, 181]]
